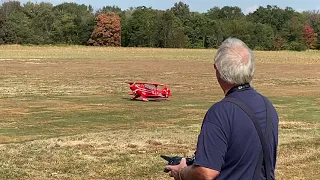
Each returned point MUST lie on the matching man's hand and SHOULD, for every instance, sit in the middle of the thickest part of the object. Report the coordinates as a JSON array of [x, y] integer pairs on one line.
[[174, 170]]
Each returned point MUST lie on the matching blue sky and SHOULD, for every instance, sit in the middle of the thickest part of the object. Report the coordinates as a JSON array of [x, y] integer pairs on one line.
[[197, 5]]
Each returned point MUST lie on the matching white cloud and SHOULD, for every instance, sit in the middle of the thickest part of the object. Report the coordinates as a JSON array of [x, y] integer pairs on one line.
[[251, 9]]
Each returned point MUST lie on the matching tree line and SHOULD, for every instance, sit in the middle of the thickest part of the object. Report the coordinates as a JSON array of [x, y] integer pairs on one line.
[[267, 28]]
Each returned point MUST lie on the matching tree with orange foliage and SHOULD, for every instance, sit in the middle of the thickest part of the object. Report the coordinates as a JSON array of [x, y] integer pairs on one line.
[[107, 31], [309, 36]]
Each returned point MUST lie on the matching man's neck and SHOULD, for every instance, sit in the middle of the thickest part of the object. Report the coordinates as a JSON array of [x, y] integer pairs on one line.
[[227, 88]]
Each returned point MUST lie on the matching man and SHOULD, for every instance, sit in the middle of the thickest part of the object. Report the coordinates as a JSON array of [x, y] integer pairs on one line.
[[229, 145]]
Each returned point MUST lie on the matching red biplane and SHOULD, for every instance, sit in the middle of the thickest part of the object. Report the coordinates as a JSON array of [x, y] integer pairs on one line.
[[148, 90]]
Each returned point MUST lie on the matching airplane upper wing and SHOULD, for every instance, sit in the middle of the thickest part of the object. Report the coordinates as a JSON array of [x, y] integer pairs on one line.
[[139, 82]]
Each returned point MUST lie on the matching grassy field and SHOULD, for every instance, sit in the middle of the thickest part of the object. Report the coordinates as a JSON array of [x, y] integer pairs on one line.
[[66, 114]]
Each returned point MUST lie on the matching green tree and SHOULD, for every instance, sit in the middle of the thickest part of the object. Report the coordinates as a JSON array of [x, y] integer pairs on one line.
[[203, 29], [262, 37], [213, 13], [171, 31], [73, 23], [42, 19], [226, 13], [19, 28], [6, 9], [255, 35], [230, 13], [197, 33], [293, 29], [3, 28], [141, 27], [181, 10], [286, 23], [215, 34], [64, 29], [273, 16], [239, 29]]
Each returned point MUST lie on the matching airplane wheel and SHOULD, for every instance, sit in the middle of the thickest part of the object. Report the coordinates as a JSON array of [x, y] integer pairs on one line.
[[145, 99]]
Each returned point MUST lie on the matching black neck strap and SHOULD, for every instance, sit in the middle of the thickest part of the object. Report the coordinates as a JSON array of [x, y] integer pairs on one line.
[[264, 158], [242, 87]]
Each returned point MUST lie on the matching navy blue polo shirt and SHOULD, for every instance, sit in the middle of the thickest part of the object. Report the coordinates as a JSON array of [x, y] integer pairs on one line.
[[228, 141]]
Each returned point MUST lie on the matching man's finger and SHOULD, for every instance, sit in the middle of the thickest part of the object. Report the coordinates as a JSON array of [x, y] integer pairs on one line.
[[166, 170], [169, 168], [183, 161]]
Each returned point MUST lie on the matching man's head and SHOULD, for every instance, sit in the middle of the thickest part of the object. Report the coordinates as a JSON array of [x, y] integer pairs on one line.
[[234, 63]]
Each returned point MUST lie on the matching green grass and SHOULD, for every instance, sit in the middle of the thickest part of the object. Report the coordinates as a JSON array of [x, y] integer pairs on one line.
[[42, 121], [301, 109]]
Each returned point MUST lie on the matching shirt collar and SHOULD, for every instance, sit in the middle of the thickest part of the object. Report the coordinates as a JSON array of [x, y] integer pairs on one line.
[[239, 88]]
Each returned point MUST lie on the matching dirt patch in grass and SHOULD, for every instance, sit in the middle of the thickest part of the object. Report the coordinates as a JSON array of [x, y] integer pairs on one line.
[[299, 159], [298, 125]]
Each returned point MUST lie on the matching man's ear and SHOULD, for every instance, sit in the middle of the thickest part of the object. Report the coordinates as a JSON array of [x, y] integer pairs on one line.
[[217, 72]]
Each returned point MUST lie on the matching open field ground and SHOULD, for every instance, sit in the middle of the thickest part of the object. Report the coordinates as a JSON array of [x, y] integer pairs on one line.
[[66, 114]]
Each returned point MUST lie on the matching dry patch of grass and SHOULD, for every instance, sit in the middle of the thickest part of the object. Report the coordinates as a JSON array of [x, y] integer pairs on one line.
[[108, 155], [35, 53], [299, 125], [299, 159], [299, 150], [135, 153]]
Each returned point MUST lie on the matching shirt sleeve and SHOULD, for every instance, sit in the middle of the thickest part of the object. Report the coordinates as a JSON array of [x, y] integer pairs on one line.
[[213, 141]]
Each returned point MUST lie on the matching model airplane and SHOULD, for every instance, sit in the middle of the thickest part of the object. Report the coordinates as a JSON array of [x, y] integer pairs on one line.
[[147, 90]]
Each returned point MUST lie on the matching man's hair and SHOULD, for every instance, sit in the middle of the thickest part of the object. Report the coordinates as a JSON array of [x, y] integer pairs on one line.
[[235, 62]]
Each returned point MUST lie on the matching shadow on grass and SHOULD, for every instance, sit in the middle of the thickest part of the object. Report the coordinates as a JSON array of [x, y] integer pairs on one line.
[[149, 100]]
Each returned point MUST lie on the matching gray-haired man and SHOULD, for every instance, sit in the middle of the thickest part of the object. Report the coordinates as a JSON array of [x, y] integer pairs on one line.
[[239, 134]]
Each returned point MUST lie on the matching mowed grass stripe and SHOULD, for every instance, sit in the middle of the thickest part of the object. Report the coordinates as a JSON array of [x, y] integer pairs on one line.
[[36, 53]]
